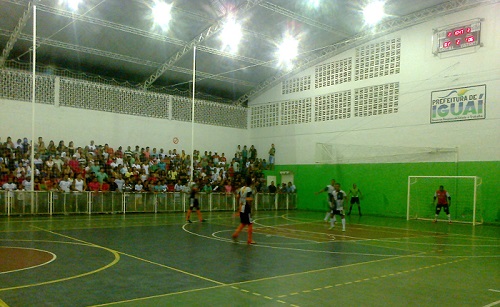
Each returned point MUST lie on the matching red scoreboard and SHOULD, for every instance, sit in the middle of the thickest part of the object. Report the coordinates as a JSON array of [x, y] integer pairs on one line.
[[459, 37]]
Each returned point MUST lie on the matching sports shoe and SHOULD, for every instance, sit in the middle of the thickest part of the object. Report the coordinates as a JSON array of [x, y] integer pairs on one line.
[[331, 227], [203, 221], [435, 221], [235, 239], [343, 229], [449, 222], [252, 242], [189, 221]]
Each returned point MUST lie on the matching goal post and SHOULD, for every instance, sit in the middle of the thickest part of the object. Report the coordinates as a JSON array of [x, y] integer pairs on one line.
[[465, 193]]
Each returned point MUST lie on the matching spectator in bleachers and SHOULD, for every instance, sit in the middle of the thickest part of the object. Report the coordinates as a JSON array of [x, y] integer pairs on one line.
[[9, 144], [25, 146], [65, 184], [58, 162], [79, 184], [61, 147], [40, 147], [71, 148], [272, 188], [100, 162], [38, 162], [91, 146], [94, 185], [272, 153], [101, 175], [253, 153], [19, 146], [105, 186], [51, 149], [49, 163], [10, 184], [244, 155], [283, 188]]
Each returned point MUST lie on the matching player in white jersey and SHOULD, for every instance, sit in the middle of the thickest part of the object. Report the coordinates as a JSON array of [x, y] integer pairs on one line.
[[338, 197], [329, 189], [245, 199]]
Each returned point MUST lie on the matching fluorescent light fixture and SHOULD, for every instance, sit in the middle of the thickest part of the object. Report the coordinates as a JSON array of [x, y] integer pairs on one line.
[[374, 12], [162, 13]]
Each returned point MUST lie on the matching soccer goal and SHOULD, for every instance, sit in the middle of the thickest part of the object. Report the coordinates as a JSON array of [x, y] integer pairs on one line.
[[465, 193]]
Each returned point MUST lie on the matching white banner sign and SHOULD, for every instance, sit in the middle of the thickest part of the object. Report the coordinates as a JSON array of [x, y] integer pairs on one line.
[[464, 103]]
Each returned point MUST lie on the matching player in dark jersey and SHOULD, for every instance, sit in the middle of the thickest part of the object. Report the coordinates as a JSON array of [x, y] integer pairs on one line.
[[245, 199], [443, 201], [194, 204], [355, 194]]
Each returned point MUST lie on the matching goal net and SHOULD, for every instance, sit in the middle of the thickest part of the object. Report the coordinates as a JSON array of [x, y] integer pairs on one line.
[[465, 193], [336, 153]]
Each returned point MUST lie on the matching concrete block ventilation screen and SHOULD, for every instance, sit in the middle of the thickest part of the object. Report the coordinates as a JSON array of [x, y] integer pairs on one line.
[[379, 59], [296, 111]]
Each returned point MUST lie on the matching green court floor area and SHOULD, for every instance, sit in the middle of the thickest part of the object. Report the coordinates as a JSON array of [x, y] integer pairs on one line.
[[160, 260]]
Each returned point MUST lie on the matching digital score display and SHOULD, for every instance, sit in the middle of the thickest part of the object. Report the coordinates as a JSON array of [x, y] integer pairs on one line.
[[459, 37]]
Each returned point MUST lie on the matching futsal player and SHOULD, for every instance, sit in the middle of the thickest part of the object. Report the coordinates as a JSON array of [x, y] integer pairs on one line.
[[194, 204], [355, 194], [338, 201], [329, 189], [443, 202], [245, 199]]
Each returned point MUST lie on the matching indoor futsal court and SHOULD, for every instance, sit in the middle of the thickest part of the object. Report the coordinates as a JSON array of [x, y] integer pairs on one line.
[[125, 123], [159, 260]]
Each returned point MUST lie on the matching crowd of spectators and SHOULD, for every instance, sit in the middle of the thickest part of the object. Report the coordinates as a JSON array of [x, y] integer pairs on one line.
[[94, 167]]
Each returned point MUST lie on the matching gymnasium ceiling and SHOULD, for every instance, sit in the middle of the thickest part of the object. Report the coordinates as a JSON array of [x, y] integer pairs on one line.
[[118, 39]]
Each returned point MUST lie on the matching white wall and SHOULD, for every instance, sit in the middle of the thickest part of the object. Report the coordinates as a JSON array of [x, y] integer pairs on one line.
[[421, 73], [81, 126]]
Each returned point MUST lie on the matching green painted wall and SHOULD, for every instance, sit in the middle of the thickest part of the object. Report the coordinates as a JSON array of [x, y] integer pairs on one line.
[[384, 186]]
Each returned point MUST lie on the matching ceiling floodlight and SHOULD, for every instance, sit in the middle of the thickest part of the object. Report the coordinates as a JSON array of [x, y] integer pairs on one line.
[[374, 12], [162, 13], [231, 35], [72, 4], [288, 51], [314, 3]]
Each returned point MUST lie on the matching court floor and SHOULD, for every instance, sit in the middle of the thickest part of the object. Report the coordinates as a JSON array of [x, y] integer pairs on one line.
[[159, 260]]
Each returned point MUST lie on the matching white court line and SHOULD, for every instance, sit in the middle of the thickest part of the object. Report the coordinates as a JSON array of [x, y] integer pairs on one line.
[[492, 304], [286, 216], [216, 235], [184, 227], [403, 240]]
